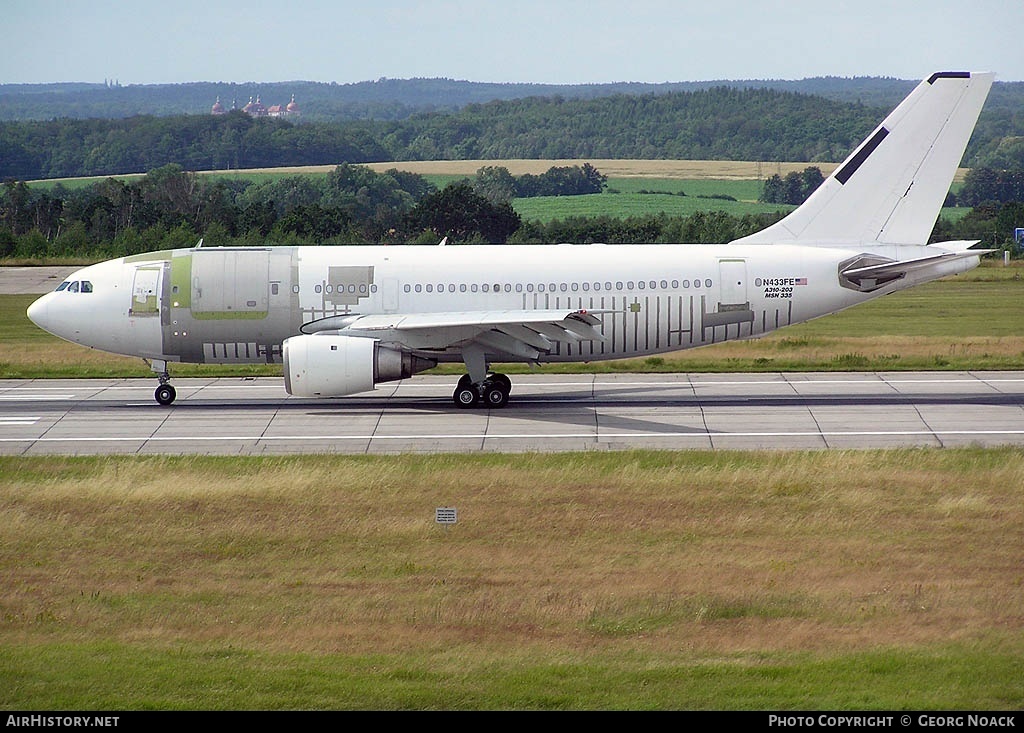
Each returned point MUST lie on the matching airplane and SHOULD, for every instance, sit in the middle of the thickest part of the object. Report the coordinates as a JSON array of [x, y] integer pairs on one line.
[[342, 319]]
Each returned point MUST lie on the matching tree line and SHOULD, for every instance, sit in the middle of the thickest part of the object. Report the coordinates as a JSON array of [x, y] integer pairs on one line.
[[170, 207], [719, 123]]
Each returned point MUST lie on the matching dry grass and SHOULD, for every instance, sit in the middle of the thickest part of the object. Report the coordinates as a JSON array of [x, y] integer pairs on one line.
[[664, 553], [728, 170], [614, 168]]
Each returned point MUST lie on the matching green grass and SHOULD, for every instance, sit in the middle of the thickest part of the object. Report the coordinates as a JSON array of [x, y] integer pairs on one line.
[[627, 580], [550, 208], [130, 677], [648, 196]]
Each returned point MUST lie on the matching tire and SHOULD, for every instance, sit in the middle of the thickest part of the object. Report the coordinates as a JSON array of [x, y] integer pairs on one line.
[[495, 396], [465, 397], [504, 382], [165, 394]]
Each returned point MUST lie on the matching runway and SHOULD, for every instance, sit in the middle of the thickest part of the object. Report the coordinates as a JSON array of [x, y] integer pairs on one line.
[[546, 413]]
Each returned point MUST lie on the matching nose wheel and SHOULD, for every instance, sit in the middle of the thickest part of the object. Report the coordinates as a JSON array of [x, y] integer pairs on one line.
[[165, 394]]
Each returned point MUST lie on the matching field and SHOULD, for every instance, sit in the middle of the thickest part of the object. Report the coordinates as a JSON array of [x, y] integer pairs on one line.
[[634, 580], [832, 580]]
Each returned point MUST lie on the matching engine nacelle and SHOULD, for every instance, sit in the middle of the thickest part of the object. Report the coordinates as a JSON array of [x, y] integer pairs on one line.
[[323, 365]]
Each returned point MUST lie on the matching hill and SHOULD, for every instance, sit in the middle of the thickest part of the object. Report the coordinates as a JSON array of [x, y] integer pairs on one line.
[[382, 99]]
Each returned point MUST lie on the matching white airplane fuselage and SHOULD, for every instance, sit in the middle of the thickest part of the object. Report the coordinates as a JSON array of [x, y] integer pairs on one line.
[[238, 305]]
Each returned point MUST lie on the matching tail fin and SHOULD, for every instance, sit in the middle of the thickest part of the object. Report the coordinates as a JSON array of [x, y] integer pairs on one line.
[[891, 188]]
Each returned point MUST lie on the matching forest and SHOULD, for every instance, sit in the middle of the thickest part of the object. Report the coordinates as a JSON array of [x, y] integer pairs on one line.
[[718, 123]]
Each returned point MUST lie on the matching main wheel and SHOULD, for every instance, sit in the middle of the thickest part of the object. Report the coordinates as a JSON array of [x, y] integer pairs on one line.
[[165, 394], [501, 379], [496, 396], [465, 396]]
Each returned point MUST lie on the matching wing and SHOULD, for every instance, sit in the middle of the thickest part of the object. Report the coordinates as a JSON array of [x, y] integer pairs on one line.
[[523, 334]]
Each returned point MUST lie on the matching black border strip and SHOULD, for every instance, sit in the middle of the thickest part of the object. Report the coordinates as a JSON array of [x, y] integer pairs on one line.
[[949, 75], [844, 173]]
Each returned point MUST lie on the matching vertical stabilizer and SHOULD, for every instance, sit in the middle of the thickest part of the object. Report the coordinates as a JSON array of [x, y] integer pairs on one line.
[[890, 190]]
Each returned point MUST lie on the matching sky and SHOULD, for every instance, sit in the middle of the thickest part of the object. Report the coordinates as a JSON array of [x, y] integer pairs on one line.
[[535, 41]]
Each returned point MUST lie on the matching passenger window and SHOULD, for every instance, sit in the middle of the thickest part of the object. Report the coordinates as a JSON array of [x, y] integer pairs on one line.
[[407, 288], [707, 283]]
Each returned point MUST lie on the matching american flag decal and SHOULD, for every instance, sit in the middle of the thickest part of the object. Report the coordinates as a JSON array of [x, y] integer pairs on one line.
[[801, 281]]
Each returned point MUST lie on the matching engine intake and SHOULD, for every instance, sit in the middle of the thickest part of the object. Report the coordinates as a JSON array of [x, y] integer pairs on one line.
[[327, 365]]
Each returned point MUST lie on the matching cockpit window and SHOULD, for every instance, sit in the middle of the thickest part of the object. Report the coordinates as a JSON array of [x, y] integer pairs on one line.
[[77, 286]]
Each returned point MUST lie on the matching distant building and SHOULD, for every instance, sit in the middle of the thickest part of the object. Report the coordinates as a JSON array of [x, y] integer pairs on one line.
[[256, 108]]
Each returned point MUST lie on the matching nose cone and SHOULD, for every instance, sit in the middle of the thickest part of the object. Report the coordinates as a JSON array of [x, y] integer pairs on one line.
[[39, 314]]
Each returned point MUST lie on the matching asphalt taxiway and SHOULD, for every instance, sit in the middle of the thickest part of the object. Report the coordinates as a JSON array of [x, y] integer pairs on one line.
[[546, 413]]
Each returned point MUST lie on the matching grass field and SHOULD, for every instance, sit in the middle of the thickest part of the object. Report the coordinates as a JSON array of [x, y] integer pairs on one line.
[[831, 580]]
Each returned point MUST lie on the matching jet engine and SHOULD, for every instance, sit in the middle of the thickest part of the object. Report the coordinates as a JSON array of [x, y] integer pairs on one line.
[[327, 365]]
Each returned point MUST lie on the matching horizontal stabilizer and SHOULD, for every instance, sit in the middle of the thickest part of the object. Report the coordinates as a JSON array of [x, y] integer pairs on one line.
[[888, 271]]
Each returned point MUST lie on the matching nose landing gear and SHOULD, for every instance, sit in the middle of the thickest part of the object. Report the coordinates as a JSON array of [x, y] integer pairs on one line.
[[165, 393]]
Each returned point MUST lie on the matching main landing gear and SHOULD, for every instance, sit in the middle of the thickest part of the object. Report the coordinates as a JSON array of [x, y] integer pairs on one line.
[[491, 392], [165, 393]]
